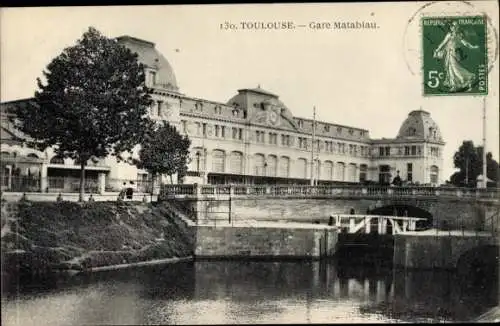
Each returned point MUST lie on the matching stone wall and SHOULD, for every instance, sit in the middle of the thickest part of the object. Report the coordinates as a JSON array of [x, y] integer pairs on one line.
[[433, 251], [265, 241]]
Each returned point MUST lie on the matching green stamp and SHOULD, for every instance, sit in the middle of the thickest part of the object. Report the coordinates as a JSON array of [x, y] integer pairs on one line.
[[454, 55]]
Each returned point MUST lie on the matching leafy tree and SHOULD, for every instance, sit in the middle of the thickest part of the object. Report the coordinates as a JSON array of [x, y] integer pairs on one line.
[[94, 102], [164, 151], [469, 160]]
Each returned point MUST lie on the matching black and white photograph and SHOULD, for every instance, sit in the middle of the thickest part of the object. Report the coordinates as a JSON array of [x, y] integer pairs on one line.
[[258, 163]]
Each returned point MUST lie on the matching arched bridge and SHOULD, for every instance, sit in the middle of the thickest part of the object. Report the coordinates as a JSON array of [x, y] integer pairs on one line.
[[443, 208], [455, 221]]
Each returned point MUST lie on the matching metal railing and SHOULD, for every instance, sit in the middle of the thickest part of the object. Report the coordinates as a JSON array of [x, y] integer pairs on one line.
[[52, 184], [360, 191], [68, 184], [139, 185], [491, 223], [21, 184]]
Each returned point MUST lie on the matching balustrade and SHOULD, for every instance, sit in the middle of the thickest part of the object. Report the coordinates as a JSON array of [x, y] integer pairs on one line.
[[178, 189], [360, 191], [207, 190]]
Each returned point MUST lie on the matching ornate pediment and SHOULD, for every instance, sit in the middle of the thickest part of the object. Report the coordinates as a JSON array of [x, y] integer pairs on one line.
[[272, 118], [260, 118]]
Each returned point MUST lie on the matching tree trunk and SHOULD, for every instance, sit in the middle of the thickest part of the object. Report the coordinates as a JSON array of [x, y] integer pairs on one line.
[[152, 185], [82, 181], [171, 180]]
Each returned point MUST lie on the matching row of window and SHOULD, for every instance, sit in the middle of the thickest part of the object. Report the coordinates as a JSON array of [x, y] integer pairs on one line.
[[271, 166], [14, 154], [329, 146], [219, 131], [217, 109], [326, 128], [385, 174], [60, 160], [54, 160], [412, 131], [434, 151], [202, 129], [412, 150], [157, 109], [237, 133]]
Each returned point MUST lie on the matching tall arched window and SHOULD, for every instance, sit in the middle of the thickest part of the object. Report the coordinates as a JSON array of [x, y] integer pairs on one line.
[[434, 174], [198, 159], [317, 169], [33, 155], [272, 164], [363, 170], [302, 168], [236, 162], [57, 160], [384, 174], [259, 164], [351, 173], [284, 167], [340, 171], [327, 170], [218, 158]]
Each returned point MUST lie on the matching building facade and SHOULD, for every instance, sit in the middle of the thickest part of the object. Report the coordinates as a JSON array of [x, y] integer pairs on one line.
[[252, 138]]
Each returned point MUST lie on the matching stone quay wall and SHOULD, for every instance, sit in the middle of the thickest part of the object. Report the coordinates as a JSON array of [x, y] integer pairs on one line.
[[265, 241]]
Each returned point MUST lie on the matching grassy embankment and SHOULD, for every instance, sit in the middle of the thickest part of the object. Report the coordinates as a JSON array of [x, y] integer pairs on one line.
[[40, 237]]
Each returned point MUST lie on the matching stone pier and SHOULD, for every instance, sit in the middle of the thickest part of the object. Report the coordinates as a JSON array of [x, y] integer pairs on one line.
[[438, 249]]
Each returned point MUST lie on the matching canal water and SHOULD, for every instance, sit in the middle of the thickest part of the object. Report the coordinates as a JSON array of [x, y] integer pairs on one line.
[[227, 292]]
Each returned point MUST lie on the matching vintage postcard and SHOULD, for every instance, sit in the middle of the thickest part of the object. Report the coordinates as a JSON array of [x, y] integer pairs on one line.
[[250, 163]]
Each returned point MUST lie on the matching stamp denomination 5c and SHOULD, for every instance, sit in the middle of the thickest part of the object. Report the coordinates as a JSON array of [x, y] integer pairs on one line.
[[454, 55]]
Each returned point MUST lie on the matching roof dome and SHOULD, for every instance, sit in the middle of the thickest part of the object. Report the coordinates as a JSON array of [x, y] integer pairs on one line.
[[419, 125], [152, 58]]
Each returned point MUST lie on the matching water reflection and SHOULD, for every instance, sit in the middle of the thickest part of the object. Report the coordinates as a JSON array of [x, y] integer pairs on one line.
[[249, 292]]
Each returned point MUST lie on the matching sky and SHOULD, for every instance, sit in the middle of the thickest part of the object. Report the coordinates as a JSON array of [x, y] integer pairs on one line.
[[366, 78]]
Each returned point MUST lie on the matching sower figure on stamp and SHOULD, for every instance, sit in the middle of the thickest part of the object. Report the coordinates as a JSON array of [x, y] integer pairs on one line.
[[457, 77]]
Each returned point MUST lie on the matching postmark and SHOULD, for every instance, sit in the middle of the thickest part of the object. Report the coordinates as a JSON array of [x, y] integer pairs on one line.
[[454, 55]]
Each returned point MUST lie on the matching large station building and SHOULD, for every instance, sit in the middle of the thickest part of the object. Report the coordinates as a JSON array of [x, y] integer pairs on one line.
[[252, 138]]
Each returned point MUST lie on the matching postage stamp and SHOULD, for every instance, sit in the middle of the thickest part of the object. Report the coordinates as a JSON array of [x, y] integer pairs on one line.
[[454, 55]]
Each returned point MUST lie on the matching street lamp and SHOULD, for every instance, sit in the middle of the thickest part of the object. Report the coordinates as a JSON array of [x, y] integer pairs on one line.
[[466, 171], [198, 162]]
